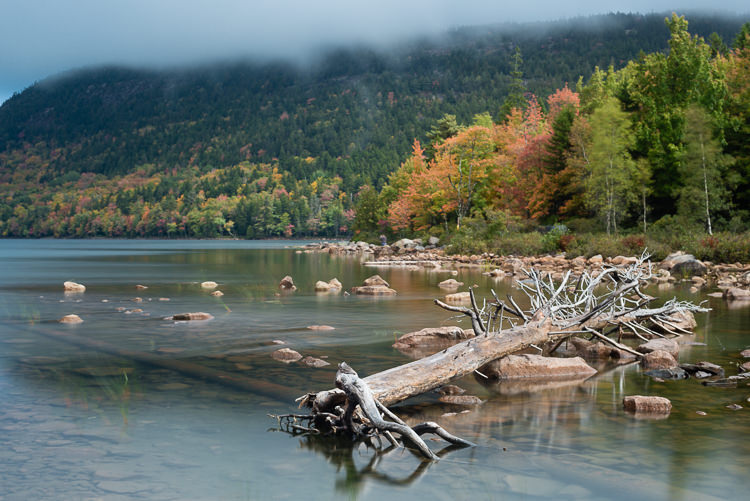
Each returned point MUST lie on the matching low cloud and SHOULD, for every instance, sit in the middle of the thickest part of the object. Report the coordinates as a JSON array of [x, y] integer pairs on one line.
[[43, 37]]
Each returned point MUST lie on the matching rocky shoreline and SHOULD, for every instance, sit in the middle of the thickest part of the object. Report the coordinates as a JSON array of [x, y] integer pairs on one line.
[[730, 280]]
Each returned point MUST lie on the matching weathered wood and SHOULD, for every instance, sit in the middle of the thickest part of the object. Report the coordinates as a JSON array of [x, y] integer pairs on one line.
[[595, 303], [358, 394], [399, 383]]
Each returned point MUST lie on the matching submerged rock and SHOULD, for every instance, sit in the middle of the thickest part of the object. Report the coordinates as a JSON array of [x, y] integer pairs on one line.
[[320, 327], [647, 405], [71, 319], [450, 389], [286, 355], [314, 362], [217, 293], [73, 287], [451, 283], [199, 315], [374, 290], [537, 367], [141, 287], [466, 400], [458, 297], [703, 368], [672, 373]]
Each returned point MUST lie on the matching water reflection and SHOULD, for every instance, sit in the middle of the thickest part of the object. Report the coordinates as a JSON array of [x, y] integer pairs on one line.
[[76, 422]]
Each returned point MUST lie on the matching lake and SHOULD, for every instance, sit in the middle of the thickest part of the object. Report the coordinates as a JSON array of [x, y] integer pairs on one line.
[[78, 423]]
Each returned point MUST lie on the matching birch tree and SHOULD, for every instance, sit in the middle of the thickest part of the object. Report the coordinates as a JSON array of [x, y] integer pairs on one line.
[[611, 184]]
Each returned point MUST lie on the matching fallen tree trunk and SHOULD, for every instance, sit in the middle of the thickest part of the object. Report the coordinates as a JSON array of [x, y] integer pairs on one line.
[[417, 377], [597, 306], [237, 381]]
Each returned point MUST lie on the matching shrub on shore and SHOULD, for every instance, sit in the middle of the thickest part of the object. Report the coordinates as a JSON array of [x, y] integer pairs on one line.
[[724, 247]]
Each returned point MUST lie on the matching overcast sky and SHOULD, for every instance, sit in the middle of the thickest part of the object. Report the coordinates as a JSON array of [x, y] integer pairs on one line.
[[39, 38]]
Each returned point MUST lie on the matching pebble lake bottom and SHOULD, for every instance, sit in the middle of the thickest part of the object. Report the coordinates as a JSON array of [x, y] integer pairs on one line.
[[79, 423]]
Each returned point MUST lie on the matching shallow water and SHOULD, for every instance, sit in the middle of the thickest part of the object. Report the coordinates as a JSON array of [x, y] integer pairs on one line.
[[82, 424]]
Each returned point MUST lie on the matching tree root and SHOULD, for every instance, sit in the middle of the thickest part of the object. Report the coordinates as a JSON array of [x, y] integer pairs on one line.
[[360, 416]]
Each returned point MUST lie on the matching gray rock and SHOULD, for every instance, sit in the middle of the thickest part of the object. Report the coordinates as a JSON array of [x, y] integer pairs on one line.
[[684, 265], [704, 367], [673, 373], [433, 241]]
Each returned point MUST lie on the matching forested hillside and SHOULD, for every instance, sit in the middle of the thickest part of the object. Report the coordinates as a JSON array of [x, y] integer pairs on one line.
[[262, 150]]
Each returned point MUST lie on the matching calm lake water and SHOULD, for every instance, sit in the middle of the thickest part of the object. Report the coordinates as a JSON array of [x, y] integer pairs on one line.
[[76, 423]]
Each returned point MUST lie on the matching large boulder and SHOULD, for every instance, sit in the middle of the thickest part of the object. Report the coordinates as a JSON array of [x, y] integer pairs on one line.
[[537, 367], [439, 337], [404, 245], [685, 265], [658, 359], [647, 405], [664, 344], [73, 287]]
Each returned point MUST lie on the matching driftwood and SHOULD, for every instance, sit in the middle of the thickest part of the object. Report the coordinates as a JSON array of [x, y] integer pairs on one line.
[[600, 305], [363, 417]]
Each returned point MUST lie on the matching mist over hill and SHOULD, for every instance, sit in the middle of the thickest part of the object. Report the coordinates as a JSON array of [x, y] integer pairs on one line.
[[350, 114]]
